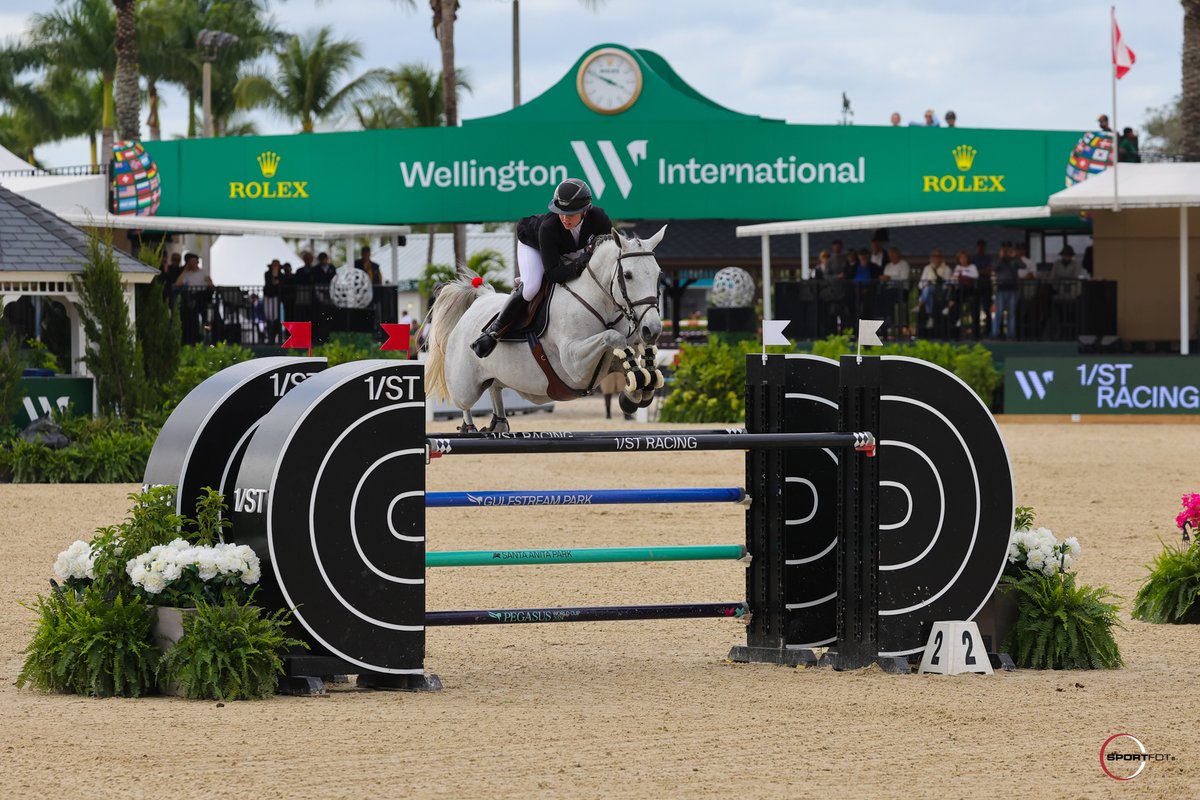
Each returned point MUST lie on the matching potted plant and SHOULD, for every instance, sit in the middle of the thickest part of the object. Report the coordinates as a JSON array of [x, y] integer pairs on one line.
[[1173, 585], [1059, 624], [158, 579]]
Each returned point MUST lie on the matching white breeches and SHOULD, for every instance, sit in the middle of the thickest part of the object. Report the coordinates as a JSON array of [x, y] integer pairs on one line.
[[529, 266]]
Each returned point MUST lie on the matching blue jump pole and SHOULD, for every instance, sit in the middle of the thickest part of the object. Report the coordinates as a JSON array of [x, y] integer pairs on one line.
[[585, 497]]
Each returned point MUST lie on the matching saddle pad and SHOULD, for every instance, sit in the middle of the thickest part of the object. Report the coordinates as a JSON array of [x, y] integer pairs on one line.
[[541, 319]]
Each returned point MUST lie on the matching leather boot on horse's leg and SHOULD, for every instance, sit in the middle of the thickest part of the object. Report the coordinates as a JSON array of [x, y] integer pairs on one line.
[[512, 311]]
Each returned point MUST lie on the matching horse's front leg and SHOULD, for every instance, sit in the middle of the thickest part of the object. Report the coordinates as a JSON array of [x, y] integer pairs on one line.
[[580, 356]]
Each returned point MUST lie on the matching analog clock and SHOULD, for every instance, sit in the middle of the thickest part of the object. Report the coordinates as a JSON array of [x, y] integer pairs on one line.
[[609, 81]]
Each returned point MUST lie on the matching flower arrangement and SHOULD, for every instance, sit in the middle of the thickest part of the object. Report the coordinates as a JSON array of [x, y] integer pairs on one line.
[[181, 574], [96, 632], [1060, 624], [1171, 589]]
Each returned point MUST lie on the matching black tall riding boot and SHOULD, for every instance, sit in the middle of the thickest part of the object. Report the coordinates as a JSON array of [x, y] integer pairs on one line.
[[512, 311]]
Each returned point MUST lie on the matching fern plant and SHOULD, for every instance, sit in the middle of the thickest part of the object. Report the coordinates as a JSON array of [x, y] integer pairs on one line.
[[228, 651], [1170, 591], [1061, 625], [84, 644]]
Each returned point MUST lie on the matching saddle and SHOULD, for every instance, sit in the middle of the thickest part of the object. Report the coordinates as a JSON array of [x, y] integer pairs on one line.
[[536, 318]]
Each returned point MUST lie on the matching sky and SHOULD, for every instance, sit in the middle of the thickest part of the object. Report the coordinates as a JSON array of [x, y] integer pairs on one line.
[[1023, 64]]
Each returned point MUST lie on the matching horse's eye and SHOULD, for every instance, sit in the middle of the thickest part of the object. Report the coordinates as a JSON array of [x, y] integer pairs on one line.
[[628, 274]]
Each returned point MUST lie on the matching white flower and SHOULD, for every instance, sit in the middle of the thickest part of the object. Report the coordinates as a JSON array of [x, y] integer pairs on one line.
[[154, 583], [1050, 568], [75, 562], [1073, 544], [206, 563]]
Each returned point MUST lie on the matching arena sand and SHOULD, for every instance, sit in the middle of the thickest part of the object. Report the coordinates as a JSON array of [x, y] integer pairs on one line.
[[642, 709]]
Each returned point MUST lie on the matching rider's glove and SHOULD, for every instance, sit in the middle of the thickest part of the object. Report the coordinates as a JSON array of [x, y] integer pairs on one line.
[[579, 263]]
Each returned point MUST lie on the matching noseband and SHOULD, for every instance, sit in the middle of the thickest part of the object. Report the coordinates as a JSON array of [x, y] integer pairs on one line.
[[618, 290]]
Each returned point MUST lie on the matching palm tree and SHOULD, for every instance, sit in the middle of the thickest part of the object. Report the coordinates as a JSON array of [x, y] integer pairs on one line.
[[1190, 106], [127, 89], [305, 86], [82, 36]]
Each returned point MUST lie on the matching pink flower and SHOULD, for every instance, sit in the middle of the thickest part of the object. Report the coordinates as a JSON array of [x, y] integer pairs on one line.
[[1191, 511]]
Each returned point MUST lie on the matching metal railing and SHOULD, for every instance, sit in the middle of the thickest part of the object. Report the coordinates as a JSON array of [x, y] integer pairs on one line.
[[242, 315], [1042, 310]]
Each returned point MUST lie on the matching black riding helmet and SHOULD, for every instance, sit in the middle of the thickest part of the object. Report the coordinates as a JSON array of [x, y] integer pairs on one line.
[[571, 197]]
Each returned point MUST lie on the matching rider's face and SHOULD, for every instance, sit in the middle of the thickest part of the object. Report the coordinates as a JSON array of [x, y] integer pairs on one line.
[[569, 221]]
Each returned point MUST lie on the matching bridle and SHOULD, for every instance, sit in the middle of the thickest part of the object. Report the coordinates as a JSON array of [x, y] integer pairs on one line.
[[626, 307]]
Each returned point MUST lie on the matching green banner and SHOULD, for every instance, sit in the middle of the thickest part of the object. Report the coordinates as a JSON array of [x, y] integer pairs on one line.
[[671, 153], [41, 397], [1102, 385]]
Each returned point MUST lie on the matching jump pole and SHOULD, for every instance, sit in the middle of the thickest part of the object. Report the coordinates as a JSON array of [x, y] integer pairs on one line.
[[508, 616], [586, 555], [586, 497], [642, 443], [584, 434]]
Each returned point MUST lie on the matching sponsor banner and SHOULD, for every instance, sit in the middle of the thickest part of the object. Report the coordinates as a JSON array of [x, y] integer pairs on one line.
[[1102, 385], [672, 154], [43, 397]]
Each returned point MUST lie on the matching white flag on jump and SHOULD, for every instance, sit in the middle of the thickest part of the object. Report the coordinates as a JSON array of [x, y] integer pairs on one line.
[[868, 331], [773, 331]]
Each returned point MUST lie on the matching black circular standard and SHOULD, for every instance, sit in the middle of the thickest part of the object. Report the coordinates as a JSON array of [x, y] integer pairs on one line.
[[811, 503], [946, 502], [202, 442], [336, 480]]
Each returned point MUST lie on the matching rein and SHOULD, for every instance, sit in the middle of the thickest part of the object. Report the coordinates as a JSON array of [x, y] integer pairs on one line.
[[627, 310]]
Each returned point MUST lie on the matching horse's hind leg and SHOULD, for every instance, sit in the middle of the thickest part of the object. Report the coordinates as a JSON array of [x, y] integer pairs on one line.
[[468, 424], [499, 423]]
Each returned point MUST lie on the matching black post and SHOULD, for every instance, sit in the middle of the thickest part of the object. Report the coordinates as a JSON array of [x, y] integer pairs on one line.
[[858, 526]]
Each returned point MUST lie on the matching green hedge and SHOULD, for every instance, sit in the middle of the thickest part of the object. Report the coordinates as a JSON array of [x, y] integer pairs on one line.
[[710, 380]]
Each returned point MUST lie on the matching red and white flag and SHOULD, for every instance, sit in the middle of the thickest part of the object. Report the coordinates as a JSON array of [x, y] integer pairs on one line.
[[1123, 57]]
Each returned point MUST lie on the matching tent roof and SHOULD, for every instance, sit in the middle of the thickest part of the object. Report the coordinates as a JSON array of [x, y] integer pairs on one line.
[[11, 162], [1138, 186], [901, 220], [261, 227]]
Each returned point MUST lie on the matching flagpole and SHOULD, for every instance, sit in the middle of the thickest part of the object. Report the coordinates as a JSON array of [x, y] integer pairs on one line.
[[1112, 36]]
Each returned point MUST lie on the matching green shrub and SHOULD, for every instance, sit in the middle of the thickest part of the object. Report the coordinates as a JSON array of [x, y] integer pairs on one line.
[[229, 651], [196, 363], [1061, 625], [152, 521], [1170, 591], [87, 645], [710, 380], [102, 450], [347, 346], [115, 360], [211, 518]]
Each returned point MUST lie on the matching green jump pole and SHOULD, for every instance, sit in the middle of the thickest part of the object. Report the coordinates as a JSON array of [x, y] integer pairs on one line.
[[587, 555]]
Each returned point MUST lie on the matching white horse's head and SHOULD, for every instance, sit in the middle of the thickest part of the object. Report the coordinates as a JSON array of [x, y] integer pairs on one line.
[[634, 275]]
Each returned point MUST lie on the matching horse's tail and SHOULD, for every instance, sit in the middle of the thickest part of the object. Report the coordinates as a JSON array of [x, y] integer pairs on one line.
[[452, 302]]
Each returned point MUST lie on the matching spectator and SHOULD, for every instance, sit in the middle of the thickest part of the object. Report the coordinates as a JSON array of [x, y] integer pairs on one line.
[[981, 259], [1007, 273], [192, 274], [878, 254], [258, 316], [951, 119], [305, 273], [931, 121], [370, 267], [897, 268], [1127, 146], [983, 295], [822, 269], [1065, 268], [895, 119], [1028, 268], [865, 269], [837, 260], [406, 319], [169, 270], [274, 279], [964, 278], [936, 273], [323, 270], [1102, 121]]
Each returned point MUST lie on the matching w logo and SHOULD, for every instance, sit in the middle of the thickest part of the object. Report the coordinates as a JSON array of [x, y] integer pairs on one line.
[[1032, 382], [636, 150]]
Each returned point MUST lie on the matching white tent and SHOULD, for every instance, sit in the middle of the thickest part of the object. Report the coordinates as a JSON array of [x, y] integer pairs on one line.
[[242, 260], [11, 162], [1141, 186]]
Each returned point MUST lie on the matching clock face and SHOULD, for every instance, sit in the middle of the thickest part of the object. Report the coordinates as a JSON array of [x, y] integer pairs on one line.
[[609, 81]]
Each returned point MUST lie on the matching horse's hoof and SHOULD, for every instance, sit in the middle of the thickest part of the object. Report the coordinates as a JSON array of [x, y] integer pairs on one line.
[[467, 427], [497, 425], [647, 400], [627, 405]]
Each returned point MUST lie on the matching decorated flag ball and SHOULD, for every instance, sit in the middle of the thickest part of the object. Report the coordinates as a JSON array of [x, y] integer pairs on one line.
[[732, 288], [1092, 155], [136, 189]]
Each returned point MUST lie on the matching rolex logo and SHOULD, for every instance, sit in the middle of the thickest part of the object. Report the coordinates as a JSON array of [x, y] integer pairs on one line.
[[964, 157], [268, 162]]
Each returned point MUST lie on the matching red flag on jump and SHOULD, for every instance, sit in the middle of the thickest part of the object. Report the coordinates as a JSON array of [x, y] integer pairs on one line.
[[299, 335], [1123, 58], [399, 335]]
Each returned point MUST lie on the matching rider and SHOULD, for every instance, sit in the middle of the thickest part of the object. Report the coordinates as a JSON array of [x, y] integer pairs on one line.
[[553, 245]]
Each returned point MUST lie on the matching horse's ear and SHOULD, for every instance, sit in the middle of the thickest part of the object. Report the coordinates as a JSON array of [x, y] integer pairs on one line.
[[653, 241], [616, 234]]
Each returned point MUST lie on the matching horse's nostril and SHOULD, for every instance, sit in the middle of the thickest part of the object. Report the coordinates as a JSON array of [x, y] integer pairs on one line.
[[647, 334]]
